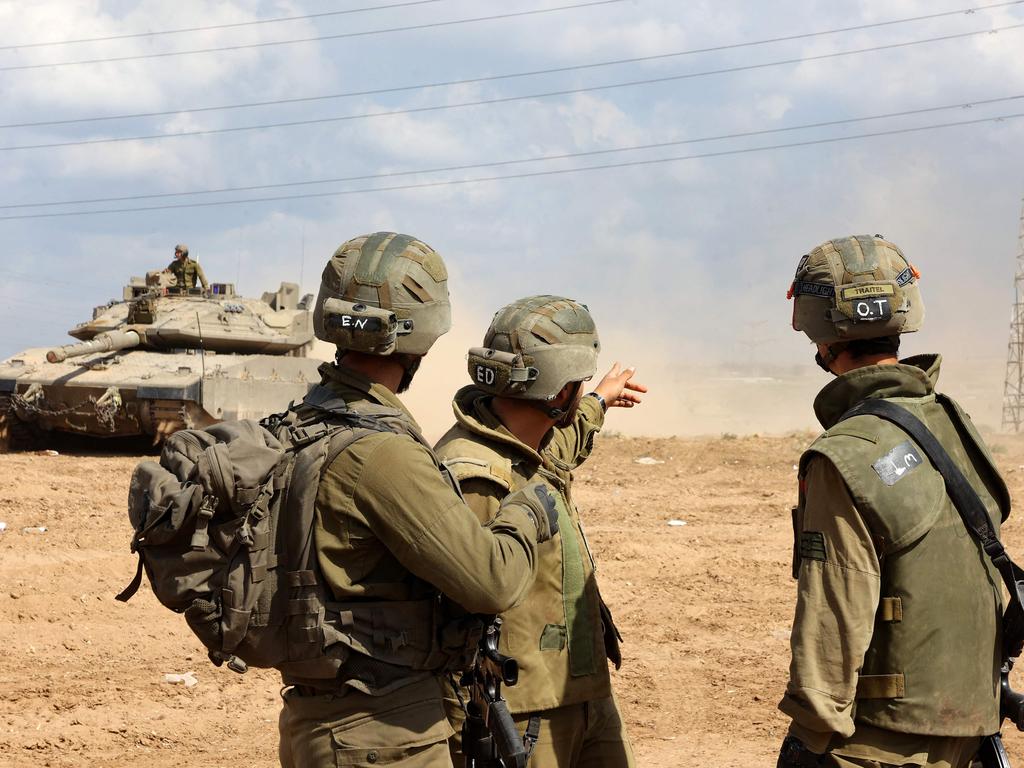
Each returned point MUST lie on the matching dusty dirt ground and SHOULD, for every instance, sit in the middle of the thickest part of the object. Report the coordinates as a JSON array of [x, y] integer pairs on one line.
[[705, 609]]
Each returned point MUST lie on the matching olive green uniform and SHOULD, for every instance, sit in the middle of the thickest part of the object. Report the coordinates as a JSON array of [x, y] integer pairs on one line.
[[186, 272], [896, 637], [556, 633], [392, 533]]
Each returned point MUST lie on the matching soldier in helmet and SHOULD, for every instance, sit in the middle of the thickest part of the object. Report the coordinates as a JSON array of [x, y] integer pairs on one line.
[[185, 270], [895, 644], [392, 533], [525, 419]]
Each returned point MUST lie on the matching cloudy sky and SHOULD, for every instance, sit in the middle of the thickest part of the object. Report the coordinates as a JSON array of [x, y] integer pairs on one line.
[[684, 262]]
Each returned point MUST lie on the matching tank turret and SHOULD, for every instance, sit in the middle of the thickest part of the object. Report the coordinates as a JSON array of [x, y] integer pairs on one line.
[[163, 358]]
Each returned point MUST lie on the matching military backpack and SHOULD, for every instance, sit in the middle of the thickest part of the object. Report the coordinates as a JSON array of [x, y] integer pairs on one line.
[[224, 529]]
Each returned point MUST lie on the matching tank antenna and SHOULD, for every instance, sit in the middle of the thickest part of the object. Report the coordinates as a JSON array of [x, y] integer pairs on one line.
[[202, 362]]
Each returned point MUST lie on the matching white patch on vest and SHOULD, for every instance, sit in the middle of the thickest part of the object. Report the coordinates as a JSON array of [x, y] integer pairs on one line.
[[897, 463]]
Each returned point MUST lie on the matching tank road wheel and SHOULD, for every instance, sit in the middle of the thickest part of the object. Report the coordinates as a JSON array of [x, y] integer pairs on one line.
[[15, 434]]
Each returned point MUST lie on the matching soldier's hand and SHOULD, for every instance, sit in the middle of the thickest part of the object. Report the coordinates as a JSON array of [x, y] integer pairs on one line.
[[536, 500], [794, 754], [618, 388]]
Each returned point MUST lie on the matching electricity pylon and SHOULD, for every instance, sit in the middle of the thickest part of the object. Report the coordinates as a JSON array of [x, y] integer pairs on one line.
[[1013, 388]]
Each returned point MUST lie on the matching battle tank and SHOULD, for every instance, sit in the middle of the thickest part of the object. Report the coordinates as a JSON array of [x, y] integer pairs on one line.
[[161, 359]]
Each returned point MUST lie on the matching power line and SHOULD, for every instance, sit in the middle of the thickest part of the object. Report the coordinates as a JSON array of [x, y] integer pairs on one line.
[[212, 27], [512, 75], [509, 99], [526, 174], [319, 38], [526, 160]]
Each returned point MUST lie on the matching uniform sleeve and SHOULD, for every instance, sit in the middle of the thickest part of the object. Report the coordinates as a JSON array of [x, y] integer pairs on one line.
[[573, 444], [201, 275], [437, 537], [483, 497], [837, 597]]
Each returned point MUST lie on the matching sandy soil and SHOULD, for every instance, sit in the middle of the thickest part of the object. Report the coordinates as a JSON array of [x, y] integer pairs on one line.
[[705, 609]]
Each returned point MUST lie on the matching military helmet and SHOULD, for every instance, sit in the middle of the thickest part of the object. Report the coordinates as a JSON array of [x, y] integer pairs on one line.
[[534, 347], [859, 287], [383, 293], [182, 248]]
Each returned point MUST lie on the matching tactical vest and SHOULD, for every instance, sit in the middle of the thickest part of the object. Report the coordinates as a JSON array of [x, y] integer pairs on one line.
[[555, 633], [380, 642], [932, 666]]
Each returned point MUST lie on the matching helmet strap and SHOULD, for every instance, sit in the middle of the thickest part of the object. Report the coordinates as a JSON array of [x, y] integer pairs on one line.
[[411, 364], [562, 415], [825, 362]]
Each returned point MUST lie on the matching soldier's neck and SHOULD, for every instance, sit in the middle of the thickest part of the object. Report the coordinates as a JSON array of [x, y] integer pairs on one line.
[[846, 362], [530, 425], [380, 370]]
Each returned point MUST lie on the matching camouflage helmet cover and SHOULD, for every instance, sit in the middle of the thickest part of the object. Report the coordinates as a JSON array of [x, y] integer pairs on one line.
[[181, 248], [859, 287], [534, 347], [383, 293]]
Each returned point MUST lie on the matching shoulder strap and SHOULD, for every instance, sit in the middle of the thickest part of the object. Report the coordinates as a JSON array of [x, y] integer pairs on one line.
[[967, 502]]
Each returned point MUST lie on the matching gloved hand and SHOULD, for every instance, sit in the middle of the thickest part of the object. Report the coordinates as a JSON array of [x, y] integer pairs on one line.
[[536, 499], [795, 755]]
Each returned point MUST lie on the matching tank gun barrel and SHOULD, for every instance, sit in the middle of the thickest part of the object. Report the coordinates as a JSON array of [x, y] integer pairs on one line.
[[110, 341]]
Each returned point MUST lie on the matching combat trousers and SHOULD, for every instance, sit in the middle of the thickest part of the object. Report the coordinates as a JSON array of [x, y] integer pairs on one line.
[[587, 735], [872, 747], [407, 728]]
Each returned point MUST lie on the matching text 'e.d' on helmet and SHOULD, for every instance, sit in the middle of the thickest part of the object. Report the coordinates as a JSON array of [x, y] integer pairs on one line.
[[382, 294], [534, 347], [859, 287]]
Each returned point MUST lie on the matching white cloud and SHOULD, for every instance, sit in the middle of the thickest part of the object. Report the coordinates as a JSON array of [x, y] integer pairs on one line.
[[695, 255]]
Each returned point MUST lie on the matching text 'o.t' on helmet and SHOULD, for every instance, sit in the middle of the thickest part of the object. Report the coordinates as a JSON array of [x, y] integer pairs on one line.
[[534, 347], [859, 287], [382, 294]]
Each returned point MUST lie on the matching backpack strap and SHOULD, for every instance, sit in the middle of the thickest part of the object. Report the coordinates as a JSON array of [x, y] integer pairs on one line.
[[970, 506]]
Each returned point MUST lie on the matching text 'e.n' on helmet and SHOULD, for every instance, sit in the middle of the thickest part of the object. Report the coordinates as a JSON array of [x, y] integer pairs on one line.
[[382, 294]]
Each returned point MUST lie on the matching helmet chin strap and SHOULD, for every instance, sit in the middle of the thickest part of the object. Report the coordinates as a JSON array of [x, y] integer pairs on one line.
[[825, 362], [410, 367], [562, 416]]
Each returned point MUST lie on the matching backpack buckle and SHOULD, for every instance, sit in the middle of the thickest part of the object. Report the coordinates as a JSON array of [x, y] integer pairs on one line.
[[201, 535], [300, 437]]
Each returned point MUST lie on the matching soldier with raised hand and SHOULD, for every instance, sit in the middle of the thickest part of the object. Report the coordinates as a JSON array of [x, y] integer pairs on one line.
[[525, 420], [896, 641], [392, 533], [185, 270]]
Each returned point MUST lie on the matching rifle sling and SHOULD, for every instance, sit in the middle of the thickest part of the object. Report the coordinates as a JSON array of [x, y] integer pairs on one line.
[[966, 500]]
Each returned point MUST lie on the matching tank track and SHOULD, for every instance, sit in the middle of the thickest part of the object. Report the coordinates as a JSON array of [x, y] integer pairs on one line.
[[15, 434]]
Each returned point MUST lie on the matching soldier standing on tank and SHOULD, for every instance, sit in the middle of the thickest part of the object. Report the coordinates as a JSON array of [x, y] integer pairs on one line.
[[523, 420], [185, 270], [392, 533], [895, 644]]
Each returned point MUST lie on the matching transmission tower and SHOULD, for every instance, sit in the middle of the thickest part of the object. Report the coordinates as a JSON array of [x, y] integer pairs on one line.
[[1013, 388]]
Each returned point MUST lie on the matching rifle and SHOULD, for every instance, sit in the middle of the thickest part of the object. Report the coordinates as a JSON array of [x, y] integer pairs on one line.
[[490, 738]]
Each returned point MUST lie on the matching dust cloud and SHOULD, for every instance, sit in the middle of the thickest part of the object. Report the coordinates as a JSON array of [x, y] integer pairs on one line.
[[690, 398]]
